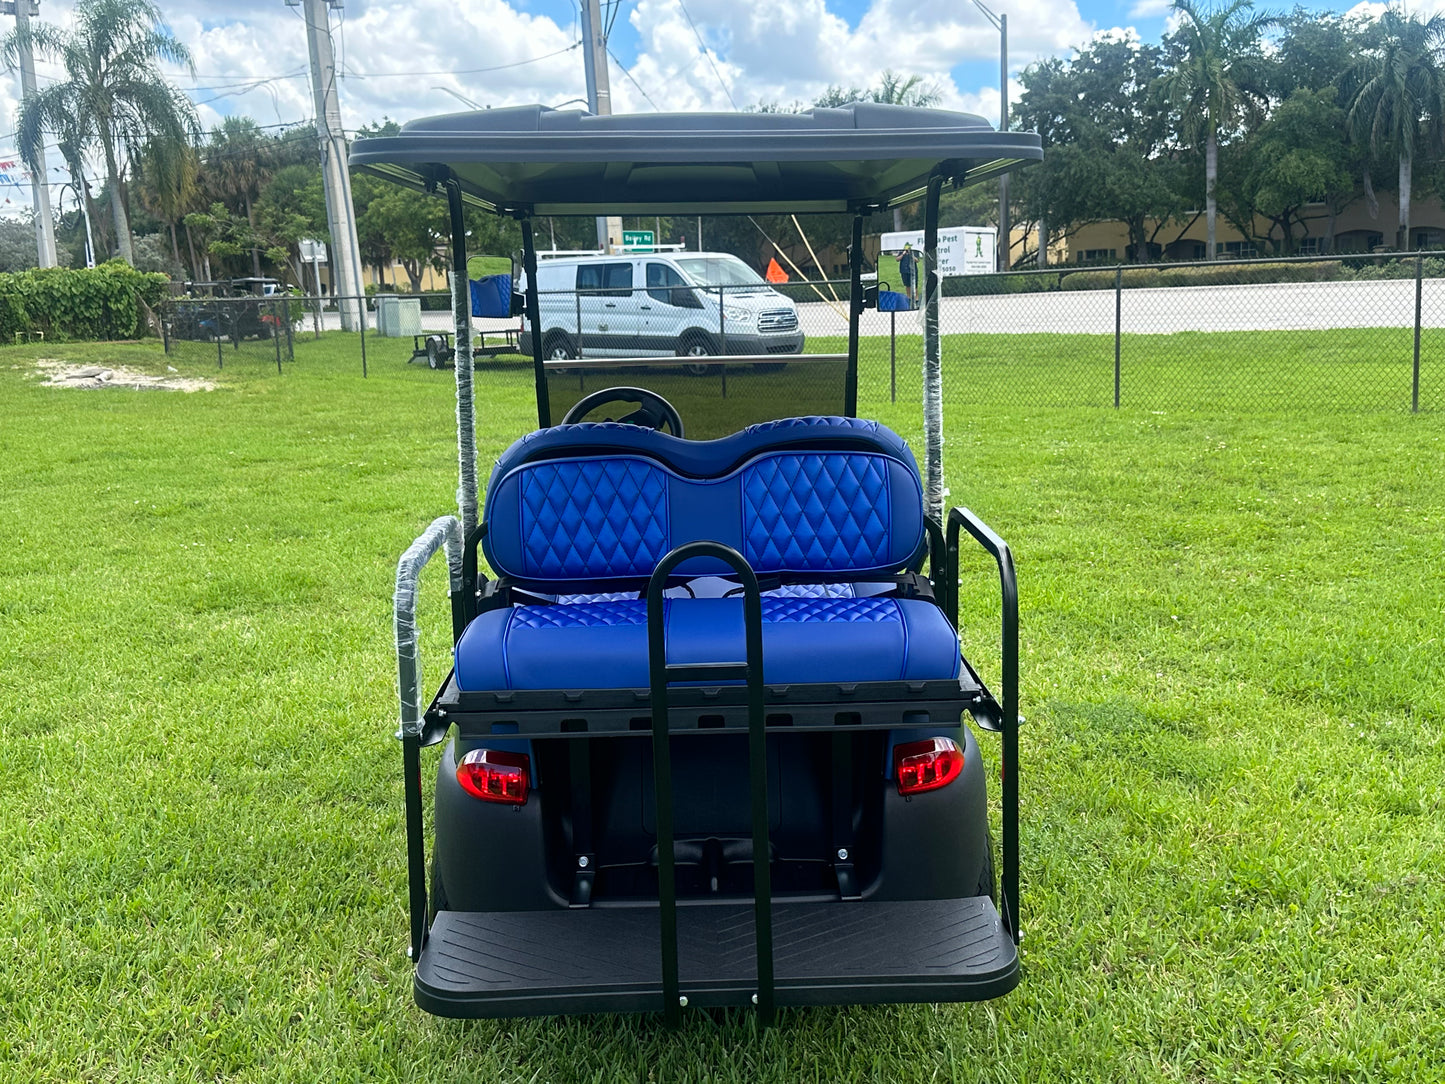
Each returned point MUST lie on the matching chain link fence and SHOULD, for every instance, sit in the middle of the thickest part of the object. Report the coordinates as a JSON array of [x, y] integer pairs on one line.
[[1335, 333], [1328, 333]]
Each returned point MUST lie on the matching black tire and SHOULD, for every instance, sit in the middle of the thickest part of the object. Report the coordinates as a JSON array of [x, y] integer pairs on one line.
[[698, 344], [433, 353], [558, 346]]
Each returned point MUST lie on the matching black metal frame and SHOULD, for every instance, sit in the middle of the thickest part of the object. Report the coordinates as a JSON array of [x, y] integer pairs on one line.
[[1009, 718], [662, 674]]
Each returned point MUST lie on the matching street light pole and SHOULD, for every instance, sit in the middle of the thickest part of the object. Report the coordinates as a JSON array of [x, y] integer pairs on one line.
[[1000, 23]]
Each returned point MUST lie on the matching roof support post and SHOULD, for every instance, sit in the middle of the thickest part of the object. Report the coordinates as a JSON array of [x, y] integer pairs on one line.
[[932, 358], [855, 313], [534, 321], [462, 358]]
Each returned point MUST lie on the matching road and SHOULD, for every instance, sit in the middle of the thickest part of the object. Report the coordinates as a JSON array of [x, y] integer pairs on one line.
[[1269, 307]]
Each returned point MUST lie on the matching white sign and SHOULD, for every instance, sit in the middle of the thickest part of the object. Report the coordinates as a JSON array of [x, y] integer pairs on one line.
[[312, 251], [962, 250]]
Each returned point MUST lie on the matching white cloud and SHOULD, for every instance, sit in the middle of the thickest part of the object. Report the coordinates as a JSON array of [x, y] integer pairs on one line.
[[1150, 9], [766, 51], [251, 55]]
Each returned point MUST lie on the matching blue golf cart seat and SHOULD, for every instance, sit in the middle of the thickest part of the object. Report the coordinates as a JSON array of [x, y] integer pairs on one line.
[[578, 516]]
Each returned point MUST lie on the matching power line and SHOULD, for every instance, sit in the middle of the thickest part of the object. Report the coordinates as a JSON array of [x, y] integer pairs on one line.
[[462, 71], [701, 45], [634, 82]]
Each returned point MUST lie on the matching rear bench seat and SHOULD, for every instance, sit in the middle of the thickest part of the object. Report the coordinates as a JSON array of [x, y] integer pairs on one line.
[[584, 513]]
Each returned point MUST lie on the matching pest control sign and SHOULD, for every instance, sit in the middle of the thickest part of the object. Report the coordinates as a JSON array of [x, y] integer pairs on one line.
[[962, 250]]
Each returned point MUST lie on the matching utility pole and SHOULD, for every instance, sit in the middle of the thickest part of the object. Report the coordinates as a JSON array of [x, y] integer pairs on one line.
[[23, 10], [340, 211], [599, 98]]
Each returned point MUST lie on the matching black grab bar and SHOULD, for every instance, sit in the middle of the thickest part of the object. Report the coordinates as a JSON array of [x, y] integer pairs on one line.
[[660, 675]]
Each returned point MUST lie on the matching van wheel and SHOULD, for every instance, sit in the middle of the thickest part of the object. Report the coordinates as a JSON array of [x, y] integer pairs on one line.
[[698, 344], [558, 346]]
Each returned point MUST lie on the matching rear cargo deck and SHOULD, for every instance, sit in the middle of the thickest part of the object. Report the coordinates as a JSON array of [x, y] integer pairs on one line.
[[608, 959]]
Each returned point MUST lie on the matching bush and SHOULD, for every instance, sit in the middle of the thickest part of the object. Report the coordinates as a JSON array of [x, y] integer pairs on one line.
[[86, 303], [1242, 274], [13, 317]]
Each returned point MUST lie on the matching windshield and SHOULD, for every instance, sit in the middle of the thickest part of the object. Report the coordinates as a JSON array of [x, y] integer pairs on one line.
[[719, 271]]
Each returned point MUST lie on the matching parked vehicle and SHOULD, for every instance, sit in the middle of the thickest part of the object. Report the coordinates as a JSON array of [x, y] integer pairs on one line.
[[683, 304]]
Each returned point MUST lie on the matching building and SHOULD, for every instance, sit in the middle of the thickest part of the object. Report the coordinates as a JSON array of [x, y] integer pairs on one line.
[[1354, 230]]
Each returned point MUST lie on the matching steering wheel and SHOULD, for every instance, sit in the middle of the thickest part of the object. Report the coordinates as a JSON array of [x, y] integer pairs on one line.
[[653, 411]]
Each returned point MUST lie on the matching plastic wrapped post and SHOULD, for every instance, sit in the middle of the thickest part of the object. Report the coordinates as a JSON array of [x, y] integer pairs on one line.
[[444, 531], [932, 360], [462, 327]]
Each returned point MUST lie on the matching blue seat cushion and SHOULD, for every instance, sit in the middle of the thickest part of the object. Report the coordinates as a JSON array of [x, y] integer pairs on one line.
[[594, 507], [603, 645]]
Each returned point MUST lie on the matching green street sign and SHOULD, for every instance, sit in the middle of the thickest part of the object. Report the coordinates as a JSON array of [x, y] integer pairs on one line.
[[637, 240]]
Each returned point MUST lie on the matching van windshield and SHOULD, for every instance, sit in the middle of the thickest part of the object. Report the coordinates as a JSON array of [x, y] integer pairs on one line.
[[718, 271]]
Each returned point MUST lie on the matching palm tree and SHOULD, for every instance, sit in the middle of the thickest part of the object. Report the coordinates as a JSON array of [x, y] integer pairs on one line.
[[1397, 96], [166, 183], [238, 165], [1216, 82], [109, 55]]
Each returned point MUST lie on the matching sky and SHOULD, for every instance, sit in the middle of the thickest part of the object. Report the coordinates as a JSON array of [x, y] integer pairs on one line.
[[409, 58]]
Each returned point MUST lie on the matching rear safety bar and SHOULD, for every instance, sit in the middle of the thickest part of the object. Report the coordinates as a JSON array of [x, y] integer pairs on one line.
[[661, 674], [1009, 723], [445, 531]]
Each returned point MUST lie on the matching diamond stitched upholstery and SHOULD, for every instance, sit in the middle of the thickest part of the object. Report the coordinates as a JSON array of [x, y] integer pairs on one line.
[[587, 615], [603, 645], [816, 513], [593, 518]]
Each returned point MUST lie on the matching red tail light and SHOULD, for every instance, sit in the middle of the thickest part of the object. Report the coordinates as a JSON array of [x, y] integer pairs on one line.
[[926, 765], [495, 776]]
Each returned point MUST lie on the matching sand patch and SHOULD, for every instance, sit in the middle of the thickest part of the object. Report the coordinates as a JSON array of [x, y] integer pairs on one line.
[[61, 374]]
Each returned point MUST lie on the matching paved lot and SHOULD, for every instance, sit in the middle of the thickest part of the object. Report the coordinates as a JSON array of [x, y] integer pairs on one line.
[[1277, 307]]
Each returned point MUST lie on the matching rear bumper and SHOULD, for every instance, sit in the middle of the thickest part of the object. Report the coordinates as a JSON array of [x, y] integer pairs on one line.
[[608, 959]]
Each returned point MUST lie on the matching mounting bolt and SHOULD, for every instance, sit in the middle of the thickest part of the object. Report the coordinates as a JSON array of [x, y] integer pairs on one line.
[[755, 999], [582, 861], [842, 854], [682, 1002]]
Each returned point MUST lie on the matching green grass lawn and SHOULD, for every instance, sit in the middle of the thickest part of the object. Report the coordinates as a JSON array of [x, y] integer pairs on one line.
[[1233, 767]]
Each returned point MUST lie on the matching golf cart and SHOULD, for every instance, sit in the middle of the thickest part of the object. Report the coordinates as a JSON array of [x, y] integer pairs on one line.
[[705, 716]]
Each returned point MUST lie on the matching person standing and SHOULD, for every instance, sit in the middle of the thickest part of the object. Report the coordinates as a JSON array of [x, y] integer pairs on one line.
[[908, 272]]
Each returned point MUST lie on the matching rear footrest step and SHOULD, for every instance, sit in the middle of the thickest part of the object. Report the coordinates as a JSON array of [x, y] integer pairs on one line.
[[607, 959]]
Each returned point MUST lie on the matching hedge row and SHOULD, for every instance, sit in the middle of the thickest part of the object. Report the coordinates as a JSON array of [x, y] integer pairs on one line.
[[86, 303], [1244, 274]]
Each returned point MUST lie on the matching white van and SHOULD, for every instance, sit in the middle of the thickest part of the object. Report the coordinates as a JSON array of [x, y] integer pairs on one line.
[[676, 304]]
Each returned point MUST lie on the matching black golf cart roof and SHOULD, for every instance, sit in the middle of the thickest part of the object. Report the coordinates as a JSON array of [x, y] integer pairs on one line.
[[543, 161]]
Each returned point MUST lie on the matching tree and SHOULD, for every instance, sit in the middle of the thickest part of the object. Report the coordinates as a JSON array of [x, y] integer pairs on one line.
[[1297, 157], [113, 93], [237, 165], [292, 208], [166, 175], [1107, 153], [1396, 94], [1216, 82], [17, 244]]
